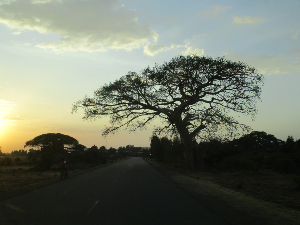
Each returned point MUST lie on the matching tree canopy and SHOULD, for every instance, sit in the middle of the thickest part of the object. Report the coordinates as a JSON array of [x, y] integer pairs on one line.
[[54, 142], [189, 94]]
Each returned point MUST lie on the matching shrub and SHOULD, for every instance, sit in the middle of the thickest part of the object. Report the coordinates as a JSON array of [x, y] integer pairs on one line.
[[93, 156], [6, 161], [18, 160], [284, 163], [236, 163], [47, 159]]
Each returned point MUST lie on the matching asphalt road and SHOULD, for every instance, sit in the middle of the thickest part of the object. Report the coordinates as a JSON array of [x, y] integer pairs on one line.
[[129, 192]]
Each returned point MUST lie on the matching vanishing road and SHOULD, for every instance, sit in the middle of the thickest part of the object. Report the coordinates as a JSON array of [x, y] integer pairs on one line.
[[129, 192]]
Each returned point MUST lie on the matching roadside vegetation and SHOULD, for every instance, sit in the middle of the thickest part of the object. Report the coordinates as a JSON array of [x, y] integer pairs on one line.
[[257, 164], [22, 168], [251, 152]]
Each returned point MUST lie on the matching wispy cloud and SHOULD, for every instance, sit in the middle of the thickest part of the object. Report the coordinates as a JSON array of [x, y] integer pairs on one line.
[[12, 118], [217, 9], [269, 64], [153, 49], [94, 25], [296, 35], [246, 20], [4, 102]]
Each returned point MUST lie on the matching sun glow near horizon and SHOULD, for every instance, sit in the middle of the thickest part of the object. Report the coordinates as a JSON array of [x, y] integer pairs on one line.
[[3, 124]]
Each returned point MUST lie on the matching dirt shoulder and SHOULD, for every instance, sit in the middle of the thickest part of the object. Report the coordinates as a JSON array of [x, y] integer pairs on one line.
[[229, 195], [17, 180]]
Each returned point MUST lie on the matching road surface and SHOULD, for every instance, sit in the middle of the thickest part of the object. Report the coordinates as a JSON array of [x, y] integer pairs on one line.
[[129, 192]]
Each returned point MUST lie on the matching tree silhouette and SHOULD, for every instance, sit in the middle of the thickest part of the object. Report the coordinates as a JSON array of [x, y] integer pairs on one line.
[[189, 94], [52, 142]]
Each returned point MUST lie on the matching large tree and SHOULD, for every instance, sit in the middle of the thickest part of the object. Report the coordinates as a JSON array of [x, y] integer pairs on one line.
[[52, 142], [190, 94]]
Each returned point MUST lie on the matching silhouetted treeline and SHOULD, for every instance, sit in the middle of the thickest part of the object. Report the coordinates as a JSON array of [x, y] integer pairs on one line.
[[79, 154], [257, 150], [45, 159], [167, 151], [19, 153]]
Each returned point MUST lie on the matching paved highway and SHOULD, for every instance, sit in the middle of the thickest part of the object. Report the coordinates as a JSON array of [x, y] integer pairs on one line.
[[129, 192]]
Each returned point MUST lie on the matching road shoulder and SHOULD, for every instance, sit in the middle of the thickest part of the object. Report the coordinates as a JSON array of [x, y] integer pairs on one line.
[[233, 206]]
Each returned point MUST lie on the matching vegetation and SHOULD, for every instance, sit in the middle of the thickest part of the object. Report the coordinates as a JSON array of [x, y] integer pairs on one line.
[[55, 143], [48, 149], [190, 94], [251, 152], [167, 151]]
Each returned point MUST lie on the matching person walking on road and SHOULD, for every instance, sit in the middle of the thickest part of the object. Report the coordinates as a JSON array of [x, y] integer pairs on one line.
[[63, 167]]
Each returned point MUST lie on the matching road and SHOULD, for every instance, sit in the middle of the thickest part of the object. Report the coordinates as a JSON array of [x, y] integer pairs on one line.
[[129, 192]]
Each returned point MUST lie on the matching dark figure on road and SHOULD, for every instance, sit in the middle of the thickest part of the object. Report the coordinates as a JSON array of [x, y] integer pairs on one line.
[[63, 167]]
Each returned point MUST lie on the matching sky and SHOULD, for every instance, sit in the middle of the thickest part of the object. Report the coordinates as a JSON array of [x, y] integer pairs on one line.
[[55, 52]]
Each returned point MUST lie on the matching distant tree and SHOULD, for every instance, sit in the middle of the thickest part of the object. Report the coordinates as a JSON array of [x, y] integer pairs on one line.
[[94, 155], [190, 95], [79, 148], [111, 151], [52, 142], [102, 148], [122, 152], [258, 140], [1, 150], [289, 144], [155, 147], [19, 153]]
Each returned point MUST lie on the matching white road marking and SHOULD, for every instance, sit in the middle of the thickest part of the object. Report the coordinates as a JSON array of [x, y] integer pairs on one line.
[[92, 207]]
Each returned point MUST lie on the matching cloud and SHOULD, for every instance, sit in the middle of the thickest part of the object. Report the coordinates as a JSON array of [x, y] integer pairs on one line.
[[12, 118], [296, 35], [6, 103], [41, 1], [86, 25], [217, 9], [269, 64], [246, 20], [152, 49], [192, 50]]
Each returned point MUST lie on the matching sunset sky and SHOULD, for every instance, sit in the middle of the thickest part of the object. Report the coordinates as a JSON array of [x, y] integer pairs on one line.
[[54, 52]]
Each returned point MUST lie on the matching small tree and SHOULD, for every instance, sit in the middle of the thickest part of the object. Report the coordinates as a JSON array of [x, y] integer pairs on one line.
[[190, 95]]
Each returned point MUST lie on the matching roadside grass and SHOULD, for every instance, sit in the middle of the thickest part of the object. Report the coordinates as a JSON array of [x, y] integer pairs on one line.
[[271, 195]]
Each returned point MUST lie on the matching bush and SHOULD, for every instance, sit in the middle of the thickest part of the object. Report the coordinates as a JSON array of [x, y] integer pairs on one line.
[[6, 161], [238, 163], [93, 156], [18, 160], [47, 159], [284, 163]]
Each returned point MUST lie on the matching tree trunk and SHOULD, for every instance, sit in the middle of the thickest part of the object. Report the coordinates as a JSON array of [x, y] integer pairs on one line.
[[189, 157], [193, 156]]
